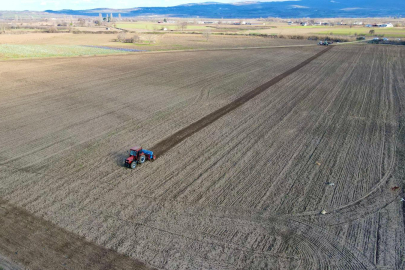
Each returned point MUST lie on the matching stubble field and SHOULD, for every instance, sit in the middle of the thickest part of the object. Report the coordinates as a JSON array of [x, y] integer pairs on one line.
[[245, 191]]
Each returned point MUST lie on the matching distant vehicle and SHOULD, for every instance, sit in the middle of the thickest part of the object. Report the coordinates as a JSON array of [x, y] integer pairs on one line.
[[398, 39], [386, 39], [323, 43], [376, 38], [137, 155]]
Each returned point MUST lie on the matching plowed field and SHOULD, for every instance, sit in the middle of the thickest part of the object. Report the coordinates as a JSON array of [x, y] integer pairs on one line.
[[244, 191]]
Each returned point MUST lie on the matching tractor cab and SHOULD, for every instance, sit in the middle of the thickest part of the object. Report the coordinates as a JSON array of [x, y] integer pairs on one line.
[[135, 150]]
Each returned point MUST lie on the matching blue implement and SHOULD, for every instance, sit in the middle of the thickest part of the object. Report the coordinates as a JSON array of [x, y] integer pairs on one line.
[[147, 152]]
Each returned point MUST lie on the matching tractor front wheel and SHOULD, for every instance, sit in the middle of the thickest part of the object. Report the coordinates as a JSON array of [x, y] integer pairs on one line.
[[133, 165]]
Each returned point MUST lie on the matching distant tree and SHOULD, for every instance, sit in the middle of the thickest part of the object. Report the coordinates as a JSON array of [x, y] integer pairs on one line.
[[52, 29], [371, 32], [150, 38], [181, 25], [164, 20], [3, 28], [121, 36], [207, 34], [135, 38], [82, 22]]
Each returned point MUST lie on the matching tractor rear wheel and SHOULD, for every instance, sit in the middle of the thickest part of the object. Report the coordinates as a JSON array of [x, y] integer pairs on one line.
[[133, 165], [142, 159]]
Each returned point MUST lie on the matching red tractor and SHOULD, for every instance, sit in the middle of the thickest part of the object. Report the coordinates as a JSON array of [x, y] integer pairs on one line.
[[137, 155]]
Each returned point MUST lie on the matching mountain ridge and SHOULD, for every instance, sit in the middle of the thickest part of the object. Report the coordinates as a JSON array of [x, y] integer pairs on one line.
[[249, 9]]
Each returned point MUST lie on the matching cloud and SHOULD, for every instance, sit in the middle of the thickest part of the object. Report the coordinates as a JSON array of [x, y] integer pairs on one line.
[[351, 9], [298, 6]]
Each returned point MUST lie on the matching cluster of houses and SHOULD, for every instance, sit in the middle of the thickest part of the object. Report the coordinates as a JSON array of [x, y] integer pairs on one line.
[[307, 23], [338, 23], [380, 25], [227, 22], [214, 22]]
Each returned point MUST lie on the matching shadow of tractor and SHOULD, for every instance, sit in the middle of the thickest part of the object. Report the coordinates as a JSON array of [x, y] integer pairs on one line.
[[120, 158]]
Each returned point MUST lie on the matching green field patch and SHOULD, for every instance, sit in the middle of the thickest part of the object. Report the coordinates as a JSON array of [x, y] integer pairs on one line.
[[305, 27], [343, 32], [15, 51]]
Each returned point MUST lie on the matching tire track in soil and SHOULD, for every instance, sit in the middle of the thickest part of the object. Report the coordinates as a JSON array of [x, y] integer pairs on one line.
[[165, 145], [39, 244], [380, 196]]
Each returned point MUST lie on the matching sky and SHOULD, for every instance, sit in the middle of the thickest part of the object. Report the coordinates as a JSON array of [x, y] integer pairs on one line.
[[39, 5]]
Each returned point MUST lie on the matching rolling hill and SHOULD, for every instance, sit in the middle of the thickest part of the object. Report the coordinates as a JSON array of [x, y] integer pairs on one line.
[[283, 9]]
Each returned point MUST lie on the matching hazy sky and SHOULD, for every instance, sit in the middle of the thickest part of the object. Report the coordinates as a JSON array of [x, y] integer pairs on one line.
[[86, 4]]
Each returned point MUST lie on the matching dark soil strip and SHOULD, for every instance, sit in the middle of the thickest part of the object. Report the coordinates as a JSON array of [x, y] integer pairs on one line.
[[39, 244], [163, 146]]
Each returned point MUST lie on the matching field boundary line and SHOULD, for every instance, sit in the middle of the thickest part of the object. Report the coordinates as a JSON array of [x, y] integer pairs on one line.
[[166, 144]]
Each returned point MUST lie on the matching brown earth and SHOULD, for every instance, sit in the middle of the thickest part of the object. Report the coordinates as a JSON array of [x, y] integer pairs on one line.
[[39, 244], [168, 143], [163, 42], [7, 264], [245, 192]]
